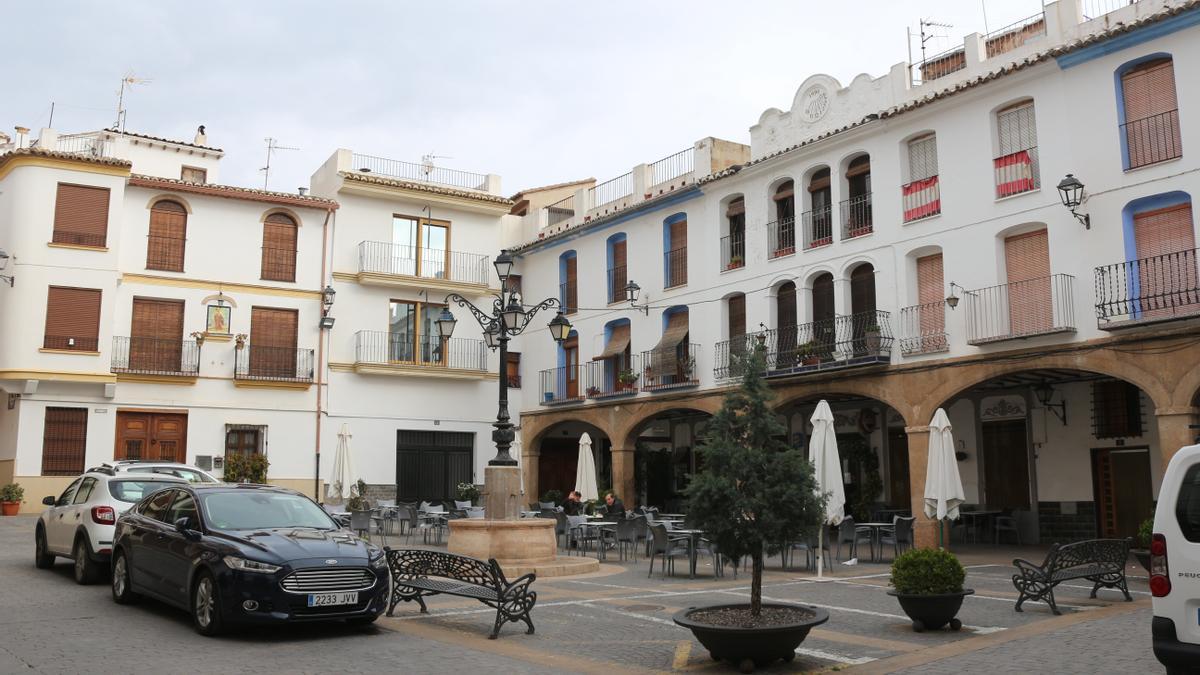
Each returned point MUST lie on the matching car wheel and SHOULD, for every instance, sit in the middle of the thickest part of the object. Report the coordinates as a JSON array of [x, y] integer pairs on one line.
[[85, 567], [122, 591], [42, 559], [206, 608]]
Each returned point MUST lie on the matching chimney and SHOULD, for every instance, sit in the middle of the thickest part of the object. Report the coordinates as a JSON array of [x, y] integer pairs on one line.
[[22, 132], [201, 137], [302, 191]]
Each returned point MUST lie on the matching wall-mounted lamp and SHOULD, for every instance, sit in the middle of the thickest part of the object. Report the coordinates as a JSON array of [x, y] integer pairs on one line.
[[1044, 393], [1071, 191], [632, 291], [327, 295], [952, 299], [3, 266]]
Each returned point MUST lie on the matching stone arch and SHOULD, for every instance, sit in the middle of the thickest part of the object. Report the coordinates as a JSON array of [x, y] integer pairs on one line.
[[642, 414], [169, 197], [792, 394]]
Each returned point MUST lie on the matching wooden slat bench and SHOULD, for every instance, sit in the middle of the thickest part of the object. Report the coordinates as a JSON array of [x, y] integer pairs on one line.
[[1100, 561]]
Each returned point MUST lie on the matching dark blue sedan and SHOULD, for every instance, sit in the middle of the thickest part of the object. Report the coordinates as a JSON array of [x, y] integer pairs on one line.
[[232, 554]]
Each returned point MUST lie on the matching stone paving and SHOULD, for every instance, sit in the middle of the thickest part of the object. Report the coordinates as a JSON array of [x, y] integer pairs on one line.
[[615, 620]]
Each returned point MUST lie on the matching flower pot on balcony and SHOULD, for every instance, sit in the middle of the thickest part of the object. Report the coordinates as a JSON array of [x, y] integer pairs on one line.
[[593, 392], [871, 339], [548, 396]]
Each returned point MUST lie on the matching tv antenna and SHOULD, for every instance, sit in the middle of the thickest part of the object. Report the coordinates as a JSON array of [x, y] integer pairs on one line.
[[127, 82], [427, 165], [272, 146], [926, 37]]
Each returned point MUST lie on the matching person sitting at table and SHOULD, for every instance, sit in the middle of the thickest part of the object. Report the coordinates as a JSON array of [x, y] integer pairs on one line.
[[574, 504], [616, 507]]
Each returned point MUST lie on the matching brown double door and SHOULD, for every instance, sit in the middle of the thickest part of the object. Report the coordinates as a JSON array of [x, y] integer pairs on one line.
[[1006, 464], [151, 436], [1124, 490], [156, 335], [273, 342]]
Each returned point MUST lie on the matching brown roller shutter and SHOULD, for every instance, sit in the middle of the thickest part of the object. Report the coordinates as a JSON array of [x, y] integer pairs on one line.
[[64, 441], [72, 319], [279, 248], [273, 342], [1166, 268], [619, 277], [156, 335], [736, 208], [678, 235], [168, 232], [785, 190], [81, 215], [737, 316], [1027, 264], [930, 285], [1151, 121], [571, 293], [819, 181], [858, 167]]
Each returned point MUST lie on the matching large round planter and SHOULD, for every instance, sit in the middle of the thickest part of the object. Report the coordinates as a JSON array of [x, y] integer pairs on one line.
[[10, 508], [931, 612], [751, 647], [1143, 557]]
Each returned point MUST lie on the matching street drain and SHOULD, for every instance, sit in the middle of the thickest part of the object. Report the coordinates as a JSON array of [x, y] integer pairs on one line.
[[642, 608]]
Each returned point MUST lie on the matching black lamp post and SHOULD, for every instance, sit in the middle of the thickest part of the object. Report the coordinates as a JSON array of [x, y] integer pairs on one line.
[[1071, 192], [507, 319], [327, 304]]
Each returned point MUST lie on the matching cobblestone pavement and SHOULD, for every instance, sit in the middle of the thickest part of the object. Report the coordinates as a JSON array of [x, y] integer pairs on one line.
[[616, 620]]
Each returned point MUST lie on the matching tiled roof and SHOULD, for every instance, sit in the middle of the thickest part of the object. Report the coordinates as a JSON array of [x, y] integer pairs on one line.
[[232, 192], [163, 140], [71, 156], [425, 187], [555, 186]]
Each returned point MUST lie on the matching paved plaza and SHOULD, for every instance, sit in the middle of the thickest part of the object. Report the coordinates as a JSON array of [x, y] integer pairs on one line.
[[615, 620]]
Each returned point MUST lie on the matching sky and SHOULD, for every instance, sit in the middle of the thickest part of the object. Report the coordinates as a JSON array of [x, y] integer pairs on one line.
[[537, 91]]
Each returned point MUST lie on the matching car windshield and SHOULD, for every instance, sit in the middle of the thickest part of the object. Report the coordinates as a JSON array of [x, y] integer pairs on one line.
[[132, 489], [255, 510], [191, 475]]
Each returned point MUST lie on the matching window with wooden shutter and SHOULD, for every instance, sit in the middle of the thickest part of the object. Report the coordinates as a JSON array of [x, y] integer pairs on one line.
[[156, 335], [81, 215], [1116, 409], [676, 256], [737, 316], [1027, 265], [862, 290], [279, 248], [922, 158], [72, 319], [168, 232], [1016, 167], [192, 174], [273, 352], [570, 285], [1166, 262], [931, 308], [1151, 122], [824, 332], [64, 441], [618, 275], [513, 369], [513, 283]]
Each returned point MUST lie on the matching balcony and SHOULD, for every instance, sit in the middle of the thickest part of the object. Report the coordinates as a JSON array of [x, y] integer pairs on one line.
[[942, 64], [403, 266], [847, 341], [1023, 309], [818, 227], [568, 296], [618, 279], [1016, 172], [273, 365], [611, 195], [671, 170], [155, 356], [670, 368], [923, 329], [1014, 35], [385, 353], [560, 211], [733, 251], [675, 268], [856, 216], [608, 379], [781, 238], [921, 199], [1152, 139], [1150, 290], [424, 173], [562, 385]]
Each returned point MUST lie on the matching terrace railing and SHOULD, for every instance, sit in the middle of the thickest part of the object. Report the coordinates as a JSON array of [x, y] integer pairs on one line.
[[1157, 288], [561, 211], [610, 377], [781, 238], [670, 367], [425, 173], [562, 384], [1008, 38], [856, 216], [818, 227], [427, 351], [430, 263], [155, 356], [1020, 309], [280, 364], [923, 329], [671, 167], [733, 251], [851, 340], [608, 194]]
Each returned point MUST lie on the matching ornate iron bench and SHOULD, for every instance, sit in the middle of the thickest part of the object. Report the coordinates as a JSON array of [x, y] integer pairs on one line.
[[417, 573], [1100, 561]]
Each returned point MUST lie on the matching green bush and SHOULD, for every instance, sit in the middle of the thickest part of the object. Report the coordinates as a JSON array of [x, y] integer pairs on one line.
[[927, 571], [467, 492], [358, 497], [13, 492], [246, 468], [554, 496], [1145, 533]]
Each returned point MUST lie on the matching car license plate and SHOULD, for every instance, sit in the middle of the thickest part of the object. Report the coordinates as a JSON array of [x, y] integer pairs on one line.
[[328, 599]]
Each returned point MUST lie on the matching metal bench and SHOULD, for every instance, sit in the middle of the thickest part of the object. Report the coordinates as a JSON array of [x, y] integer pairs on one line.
[[1100, 561], [417, 573]]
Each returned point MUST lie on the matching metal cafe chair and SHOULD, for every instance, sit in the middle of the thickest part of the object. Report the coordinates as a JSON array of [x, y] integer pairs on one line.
[[667, 548]]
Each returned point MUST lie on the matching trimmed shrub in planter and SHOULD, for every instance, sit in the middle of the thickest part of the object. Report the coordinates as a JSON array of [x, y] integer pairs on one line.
[[929, 585], [1142, 552]]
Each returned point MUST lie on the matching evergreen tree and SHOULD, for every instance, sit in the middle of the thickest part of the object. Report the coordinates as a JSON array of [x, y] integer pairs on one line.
[[755, 492]]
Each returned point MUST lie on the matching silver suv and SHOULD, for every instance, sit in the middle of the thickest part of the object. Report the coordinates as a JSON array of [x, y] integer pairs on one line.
[[79, 523], [185, 471], [1175, 565]]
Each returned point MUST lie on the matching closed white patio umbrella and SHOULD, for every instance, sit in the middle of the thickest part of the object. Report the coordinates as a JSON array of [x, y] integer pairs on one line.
[[343, 477], [943, 485], [585, 470], [827, 469]]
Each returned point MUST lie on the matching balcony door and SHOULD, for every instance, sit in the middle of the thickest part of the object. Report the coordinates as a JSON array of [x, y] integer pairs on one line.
[[785, 312], [1166, 265], [823, 333], [862, 308], [156, 335], [273, 342], [571, 361], [1027, 264], [420, 247]]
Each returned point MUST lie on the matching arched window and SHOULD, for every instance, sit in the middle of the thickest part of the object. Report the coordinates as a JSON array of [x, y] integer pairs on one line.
[[818, 219], [618, 273], [782, 232], [733, 244], [568, 282], [1159, 281], [922, 195], [785, 325], [1150, 112], [1016, 165], [279, 248], [675, 251], [856, 208], [168, 235], [824, 331]]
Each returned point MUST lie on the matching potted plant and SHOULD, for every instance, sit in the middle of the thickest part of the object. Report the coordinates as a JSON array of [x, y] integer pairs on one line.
[[11, 496], [928, 583], [548, 395], [1144, 534], [807, 354], [467, 492], [628, 379], [688, 367], [593, 391], [358, 499], [734, 262], [871, 338], [749, 471]]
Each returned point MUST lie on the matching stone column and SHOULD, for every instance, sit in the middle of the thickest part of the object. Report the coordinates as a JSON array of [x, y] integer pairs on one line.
[[622, 475], [529, 464], [1173, 431], [925, 531]]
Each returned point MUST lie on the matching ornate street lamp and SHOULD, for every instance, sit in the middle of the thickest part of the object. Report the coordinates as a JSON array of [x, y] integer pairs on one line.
[[1044, 393], [632, 291], [326, 305], [1071, 192]]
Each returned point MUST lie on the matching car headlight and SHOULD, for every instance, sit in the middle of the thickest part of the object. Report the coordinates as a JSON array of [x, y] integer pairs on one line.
[[236, 563], [378, 559]]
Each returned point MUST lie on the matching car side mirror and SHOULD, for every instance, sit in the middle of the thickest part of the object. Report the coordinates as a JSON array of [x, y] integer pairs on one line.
[[49, 501], [186, 527]]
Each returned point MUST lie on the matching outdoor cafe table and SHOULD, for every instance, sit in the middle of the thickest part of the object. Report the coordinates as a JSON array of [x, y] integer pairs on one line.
[[597, 525], [694, 537], [875, 528], [974, 517]]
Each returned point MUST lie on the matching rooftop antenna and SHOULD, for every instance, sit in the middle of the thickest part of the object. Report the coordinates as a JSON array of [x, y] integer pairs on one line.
[[926, 37], [126, 82], [272, 146], [427, 165]]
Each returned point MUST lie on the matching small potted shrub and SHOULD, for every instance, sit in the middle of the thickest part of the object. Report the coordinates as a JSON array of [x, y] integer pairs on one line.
[[628, 379], [467, 492], [735, 262], [593, 391], [11, 496], [553, 497], [358, 500], [871, 338], [928, 583], [807, 354], [1144, 534]]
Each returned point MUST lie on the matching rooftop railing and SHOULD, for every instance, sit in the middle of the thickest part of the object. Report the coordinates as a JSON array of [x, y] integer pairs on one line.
[[278, 364], [1014, 35], [923, 329], [1157, 288], [561, 210], [431, 263], [425, 351], [943, 63], [1020, 309], [425, 173], [155, 356], [673, 166], [607, 194], [1094, 9], [91, 145]]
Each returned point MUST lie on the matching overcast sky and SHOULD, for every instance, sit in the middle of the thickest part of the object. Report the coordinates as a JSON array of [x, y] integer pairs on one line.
[[536, 91]]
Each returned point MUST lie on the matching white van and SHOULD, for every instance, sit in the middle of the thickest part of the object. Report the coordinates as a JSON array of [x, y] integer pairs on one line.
[[1175, 565]]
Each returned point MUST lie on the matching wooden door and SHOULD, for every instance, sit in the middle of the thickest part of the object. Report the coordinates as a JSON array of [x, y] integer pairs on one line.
[[556, 465], [823, 332], [151, 436], [156, 335], [1124, 490], [898, 469], [1006, 465], [571, 361], [785, 313], [273, 342]]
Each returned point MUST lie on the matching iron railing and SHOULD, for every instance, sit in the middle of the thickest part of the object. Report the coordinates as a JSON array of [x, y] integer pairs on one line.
[[943, 63], [562, 384], [425, 173], [921, 199], [561, 210], [91, 145], [429, 351], [279, 364], [610, 191], [1158, 288], [818, 227], [675, 267], [1093, 9], [1017, 172], [781, 238], [613, 377], [857, 339], [733, 251], [429, 263], [923, 329], [1020, 309], [278, 264], [618, 279], [856, 216], [155, 356], [164, 253], [568, 296], [73, 342], [1153, 139], [1008, 38], [670, 367], [671, 167]]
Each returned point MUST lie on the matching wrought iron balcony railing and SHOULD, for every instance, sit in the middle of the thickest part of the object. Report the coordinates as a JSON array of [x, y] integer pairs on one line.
[[733, 251], [279, 364], [675, 267], [568, 295], [563, 384], [1020, 309], [618, 279], [781, 238], [613, 377], [1158, 288], [427, 351], [425, 173], [852, 340], [430, 263], [818, 227], [670, 368], [155, 356], [561, 211], [856, 216], [923, 329], [1153, 139]]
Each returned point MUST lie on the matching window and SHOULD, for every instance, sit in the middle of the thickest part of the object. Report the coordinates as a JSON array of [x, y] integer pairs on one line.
[[168, 232], [675, 251], [672, 361], [192, 174], [84, 493], [279, 248], [856, 210], [81, 215], [413, 336], [1027, 266], [1116, 409], [737, 316], [184, 506], [1016, 167], [65, 497], [922, 195], [241, 439], [72, 319], [64, 441], [273, 353], [612, 370], [156, 507], [733, 244], [420, 247], [1165, 267], [618, 273], [568, 282], [818, 220], [1150, 127], [513, 284], [513, 369], [1187, 506], [782, 232]]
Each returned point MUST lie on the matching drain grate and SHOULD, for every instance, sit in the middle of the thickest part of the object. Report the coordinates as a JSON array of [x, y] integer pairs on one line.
[[642, 608]]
